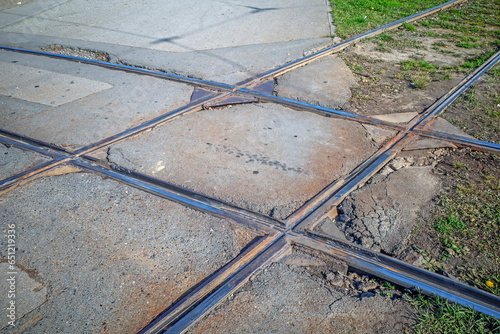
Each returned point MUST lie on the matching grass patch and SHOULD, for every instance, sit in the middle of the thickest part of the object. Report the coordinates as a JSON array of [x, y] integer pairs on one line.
[[478, 59], [414, 65], [466, 45], [352, 17], [445, 225], [438, 315]]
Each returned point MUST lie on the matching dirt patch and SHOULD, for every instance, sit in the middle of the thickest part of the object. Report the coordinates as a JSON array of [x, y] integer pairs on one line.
[[408, 69]]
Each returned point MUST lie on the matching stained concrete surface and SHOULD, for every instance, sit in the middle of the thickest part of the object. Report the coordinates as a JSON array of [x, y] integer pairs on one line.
[[112, 255], [325, 82], [14, 160], [264, 157], [132, 100]]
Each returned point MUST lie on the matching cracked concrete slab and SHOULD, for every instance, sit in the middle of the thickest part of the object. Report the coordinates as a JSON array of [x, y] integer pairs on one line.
[[264, 157], [132, 100], [381, 214], [325, 82], [113, 255], [14, 160]]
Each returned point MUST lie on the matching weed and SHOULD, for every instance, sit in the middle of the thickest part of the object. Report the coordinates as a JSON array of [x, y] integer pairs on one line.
[[400, 75], [482, 278], [409, 65], [414, 65], [459, 165], [430, 34], [409, 27], [388, 286], [466, 45], [426, 65], [385, 37], [420, 80], [447, 224]]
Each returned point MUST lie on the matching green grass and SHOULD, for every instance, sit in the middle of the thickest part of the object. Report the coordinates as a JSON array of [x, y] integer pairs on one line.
[[466, 45], [409, 27], [478, 59], [445, 225], [414, 65], [438, 315], [353, 17]]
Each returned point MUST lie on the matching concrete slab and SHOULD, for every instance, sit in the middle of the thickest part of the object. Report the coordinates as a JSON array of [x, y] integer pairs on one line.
[[112, 255], [325, 82], [263, 157], [426, 144], [379, 135], [397, 118], [381, 215], [180, 27], [442, 125], [45, 87], [131, 101], [14, 160]]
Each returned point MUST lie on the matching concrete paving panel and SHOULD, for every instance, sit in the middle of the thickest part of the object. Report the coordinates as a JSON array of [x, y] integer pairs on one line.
[[263, 157], [45, 87], [132, 100], [110, 256], [181, 26], [326, 82], [14, 160]]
